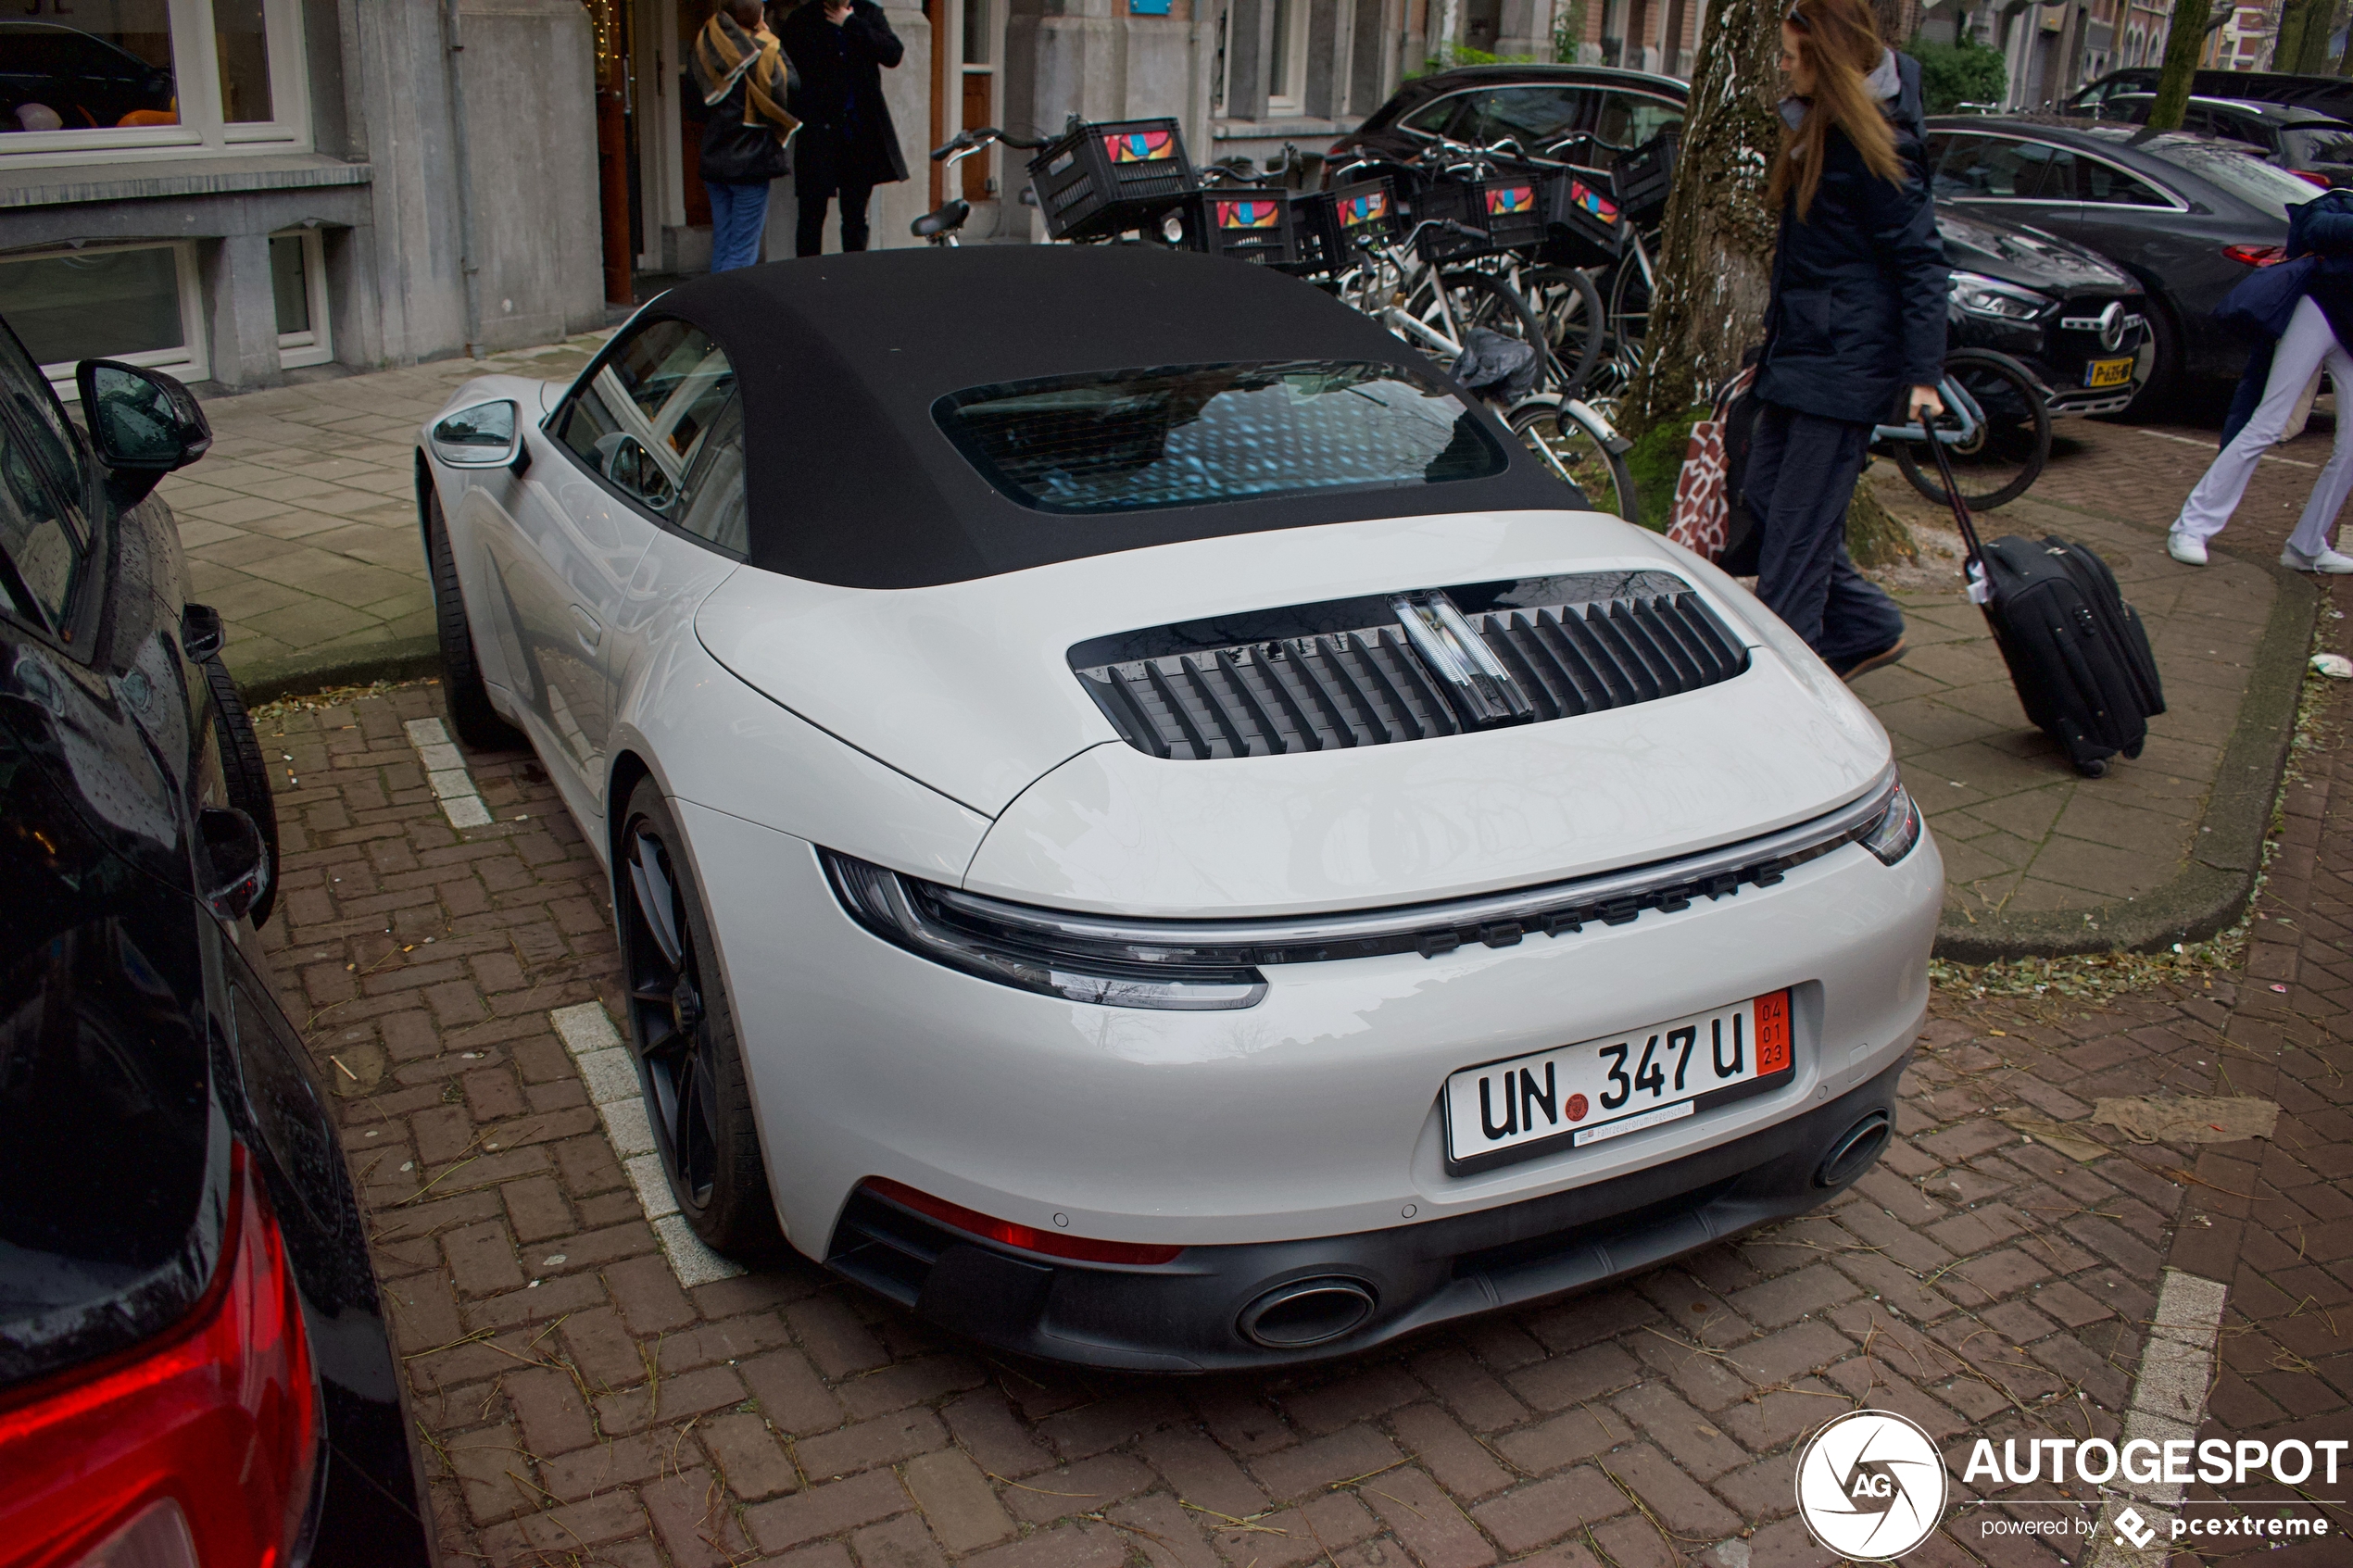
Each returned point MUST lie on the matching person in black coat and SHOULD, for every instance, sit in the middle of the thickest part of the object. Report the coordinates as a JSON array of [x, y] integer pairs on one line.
[[1855, 333], [848, 145]]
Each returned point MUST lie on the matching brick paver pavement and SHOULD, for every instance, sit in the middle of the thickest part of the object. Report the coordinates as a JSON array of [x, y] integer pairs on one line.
[[584, 1407]]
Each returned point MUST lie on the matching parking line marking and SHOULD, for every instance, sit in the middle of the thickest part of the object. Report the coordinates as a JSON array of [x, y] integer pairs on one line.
[[2168, 1404], [611, 1078], [2268, 457], [445, 772]]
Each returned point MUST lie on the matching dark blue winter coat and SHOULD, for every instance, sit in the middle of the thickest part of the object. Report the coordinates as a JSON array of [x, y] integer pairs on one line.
[[2320, 249], [1859, 285]]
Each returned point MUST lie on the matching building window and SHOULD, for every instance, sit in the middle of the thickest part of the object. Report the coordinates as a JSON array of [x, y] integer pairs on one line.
[[1287, 58], [135, 303], [299, 283], [108, 77]]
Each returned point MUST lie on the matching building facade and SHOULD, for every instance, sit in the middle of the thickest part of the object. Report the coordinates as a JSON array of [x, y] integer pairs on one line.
[[240, 190], [235, 189]]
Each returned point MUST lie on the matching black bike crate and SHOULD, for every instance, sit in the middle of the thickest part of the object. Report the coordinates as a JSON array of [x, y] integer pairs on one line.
[[1584, 223], [1247, 222], [1098, 181], [1504, 211], [1328, 224], [1644, 177]]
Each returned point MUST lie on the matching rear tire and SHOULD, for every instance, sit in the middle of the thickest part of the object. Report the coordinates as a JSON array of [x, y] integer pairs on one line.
[[246, 773], [681, 1032], [462, 688]]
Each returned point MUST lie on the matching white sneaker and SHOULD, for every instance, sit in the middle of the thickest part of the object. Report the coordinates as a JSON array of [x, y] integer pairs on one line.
[[2328, 560], [2183, 548]]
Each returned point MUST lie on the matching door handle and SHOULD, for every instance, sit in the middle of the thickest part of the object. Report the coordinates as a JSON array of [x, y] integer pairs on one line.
[[591, 630]]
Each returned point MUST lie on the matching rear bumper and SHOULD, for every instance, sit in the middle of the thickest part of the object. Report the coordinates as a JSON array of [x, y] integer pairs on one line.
[[1186, 1315]]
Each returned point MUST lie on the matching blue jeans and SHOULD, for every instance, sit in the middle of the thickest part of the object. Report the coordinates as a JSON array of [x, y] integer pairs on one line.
[[738, 214], [1802, 471]]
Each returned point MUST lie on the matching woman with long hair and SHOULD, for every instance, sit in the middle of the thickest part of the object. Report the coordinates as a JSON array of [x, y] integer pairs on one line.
[[1855, 335]]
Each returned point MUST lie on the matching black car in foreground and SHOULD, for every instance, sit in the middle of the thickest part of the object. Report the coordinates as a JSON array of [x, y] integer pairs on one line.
[[195, 1368], [2186, 216]]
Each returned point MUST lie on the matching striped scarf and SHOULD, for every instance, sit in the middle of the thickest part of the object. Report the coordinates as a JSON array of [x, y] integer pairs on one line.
[[724, 55]]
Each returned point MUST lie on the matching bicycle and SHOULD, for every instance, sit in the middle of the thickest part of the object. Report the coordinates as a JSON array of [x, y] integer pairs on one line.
[[940, 226], [1435, 309], [1564, 300], [2005, 435]]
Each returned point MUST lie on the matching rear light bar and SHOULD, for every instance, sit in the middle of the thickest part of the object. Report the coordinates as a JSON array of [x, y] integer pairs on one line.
[[1027, 1238], [2315, 177], [199, 1446], [2256, 256]]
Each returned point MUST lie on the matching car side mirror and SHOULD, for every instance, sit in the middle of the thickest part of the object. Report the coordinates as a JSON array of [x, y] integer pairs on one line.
[[200, 632], [143, 423], [487, 436], [232, 861]]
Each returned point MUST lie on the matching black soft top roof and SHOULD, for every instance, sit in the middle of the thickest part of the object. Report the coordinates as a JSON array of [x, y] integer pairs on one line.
[[840, 359]]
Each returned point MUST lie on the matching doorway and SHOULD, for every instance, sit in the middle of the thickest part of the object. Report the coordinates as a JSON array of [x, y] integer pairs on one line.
[[963, 94], [617, 204]]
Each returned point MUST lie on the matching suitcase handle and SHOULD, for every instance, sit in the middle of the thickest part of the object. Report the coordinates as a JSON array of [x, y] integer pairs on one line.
[[1972, 564]]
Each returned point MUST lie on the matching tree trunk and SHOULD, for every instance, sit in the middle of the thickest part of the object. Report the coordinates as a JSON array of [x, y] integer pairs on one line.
[[1876, 536], [2182, 46], [1714, 267]]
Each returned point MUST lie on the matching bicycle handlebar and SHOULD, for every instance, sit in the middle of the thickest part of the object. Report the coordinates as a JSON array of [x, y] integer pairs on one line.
[[966, 141]]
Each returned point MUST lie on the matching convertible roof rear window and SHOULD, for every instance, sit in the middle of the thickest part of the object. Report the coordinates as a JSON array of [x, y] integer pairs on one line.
[[1181, 435]]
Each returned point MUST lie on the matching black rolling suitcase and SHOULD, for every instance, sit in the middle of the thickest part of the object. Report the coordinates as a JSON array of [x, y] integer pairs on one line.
[[2076, 650]]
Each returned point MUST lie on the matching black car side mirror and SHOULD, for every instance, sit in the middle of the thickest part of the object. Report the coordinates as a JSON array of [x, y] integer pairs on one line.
[[201, 632], [232, 860], [143, 423]]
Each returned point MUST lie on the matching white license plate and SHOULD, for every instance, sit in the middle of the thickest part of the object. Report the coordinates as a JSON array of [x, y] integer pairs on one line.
[[1601, 1090]]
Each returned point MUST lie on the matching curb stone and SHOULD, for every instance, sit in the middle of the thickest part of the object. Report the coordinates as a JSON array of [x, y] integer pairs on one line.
[[2213, 888]]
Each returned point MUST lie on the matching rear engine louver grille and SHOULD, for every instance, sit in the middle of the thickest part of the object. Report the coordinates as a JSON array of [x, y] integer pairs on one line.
[[1371, 687]]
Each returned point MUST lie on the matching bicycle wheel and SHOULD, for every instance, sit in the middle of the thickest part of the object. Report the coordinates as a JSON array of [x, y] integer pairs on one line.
[[1576, 451], [1630, 305], [2012, 441], [1575, 327], [1478, 299]]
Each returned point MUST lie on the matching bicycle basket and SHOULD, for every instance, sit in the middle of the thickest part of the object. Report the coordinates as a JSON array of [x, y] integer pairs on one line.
[[1328, 224], [1584, 223], [1100, 181], [1247, 223], [1505, 211], [1644, 177]]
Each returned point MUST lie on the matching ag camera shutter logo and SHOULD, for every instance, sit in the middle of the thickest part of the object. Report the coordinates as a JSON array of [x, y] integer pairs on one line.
[[1870, 1485]]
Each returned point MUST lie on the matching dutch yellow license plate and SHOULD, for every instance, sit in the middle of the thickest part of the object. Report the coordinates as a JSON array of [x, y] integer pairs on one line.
[[2108, 372]]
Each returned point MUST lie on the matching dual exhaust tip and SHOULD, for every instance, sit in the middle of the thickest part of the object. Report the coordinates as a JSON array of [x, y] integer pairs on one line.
[[1315, 1311]]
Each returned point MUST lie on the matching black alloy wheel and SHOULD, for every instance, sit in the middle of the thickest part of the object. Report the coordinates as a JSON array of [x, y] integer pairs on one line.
[[683, 1033]]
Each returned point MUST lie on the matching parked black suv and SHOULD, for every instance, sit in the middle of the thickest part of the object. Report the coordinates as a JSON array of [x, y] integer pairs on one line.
[[193, 1360]]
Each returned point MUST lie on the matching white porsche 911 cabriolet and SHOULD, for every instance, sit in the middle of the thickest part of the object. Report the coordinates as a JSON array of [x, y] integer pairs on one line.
[[1147, 830]]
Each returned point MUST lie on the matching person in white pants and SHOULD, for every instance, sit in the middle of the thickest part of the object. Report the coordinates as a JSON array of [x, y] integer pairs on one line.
[[2307, 346]]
